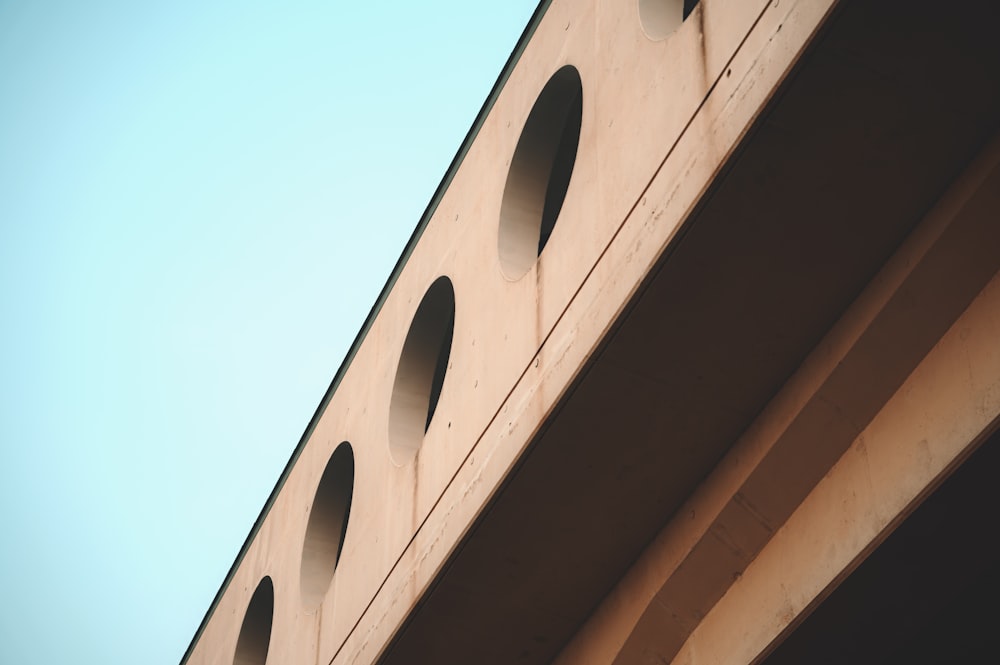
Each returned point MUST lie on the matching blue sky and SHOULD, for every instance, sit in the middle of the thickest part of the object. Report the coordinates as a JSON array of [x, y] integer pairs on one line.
[[199, 203]]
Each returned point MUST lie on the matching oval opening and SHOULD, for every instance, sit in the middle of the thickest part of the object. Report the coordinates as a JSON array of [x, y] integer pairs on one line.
[[540, 172], [255, 633], [659, 18], [420, 374], [327, 525]]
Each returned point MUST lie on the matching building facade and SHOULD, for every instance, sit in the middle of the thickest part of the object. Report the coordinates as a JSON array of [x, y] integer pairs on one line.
[[693, 358]]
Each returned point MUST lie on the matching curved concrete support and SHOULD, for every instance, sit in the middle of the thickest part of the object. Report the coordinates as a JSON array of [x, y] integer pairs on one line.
[[822, 410]]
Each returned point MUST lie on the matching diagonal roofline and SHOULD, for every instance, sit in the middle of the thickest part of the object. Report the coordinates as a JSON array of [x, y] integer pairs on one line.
[[432, 205]]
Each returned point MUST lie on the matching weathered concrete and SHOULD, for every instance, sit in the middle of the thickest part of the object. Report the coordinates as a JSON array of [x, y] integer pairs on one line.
[[762, 329]]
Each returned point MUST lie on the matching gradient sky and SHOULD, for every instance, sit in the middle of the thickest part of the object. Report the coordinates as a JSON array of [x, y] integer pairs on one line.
[[199, 203]]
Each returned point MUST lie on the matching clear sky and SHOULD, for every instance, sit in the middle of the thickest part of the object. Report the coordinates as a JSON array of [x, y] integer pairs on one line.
[[199, 203]]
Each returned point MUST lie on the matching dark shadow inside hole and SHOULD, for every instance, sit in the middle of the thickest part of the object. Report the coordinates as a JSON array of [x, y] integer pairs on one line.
[[347, 512], [689, 6], [255, 633], [440, 368], [562, 168]]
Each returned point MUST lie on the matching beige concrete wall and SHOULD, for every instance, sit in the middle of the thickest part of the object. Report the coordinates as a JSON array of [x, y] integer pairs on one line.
[[659, 120], [629, 95]]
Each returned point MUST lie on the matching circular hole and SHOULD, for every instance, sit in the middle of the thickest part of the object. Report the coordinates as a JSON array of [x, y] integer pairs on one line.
[[659, 18], [420, 375], [327, 525], [540, 171], [255, 633]]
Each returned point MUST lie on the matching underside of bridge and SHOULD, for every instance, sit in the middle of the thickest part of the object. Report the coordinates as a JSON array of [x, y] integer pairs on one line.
[[882, 115], [737, 398], [925, 595]]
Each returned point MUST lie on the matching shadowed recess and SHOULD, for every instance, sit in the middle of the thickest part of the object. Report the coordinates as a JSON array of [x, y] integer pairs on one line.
[[421, 371], [324, 539], [255, 633], [540, 172]]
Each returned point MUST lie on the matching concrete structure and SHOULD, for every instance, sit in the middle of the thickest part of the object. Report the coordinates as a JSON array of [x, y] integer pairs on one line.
[[703, 315]]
